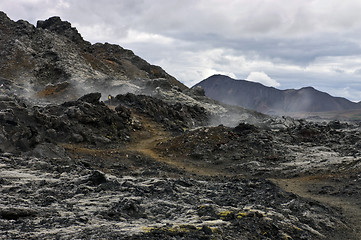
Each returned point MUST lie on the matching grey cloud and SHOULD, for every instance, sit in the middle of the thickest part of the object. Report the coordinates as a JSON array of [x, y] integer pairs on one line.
[[278, 37], [358, 71], [301, 51]]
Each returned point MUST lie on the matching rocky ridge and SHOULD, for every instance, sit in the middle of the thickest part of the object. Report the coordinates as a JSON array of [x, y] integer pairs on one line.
[[25, 127], [270, 100], [54, 53], [52, 63], [155, 163]]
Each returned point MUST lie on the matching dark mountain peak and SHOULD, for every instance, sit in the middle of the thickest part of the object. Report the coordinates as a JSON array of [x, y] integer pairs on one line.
[[256, 96], [220, 76], [309, 88], [239, 82], [56, 25]]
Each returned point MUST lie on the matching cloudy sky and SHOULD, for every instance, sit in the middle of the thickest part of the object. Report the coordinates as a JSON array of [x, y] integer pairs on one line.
[[280, 43]]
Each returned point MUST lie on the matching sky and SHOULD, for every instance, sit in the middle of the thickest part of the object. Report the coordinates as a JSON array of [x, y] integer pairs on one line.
[[280, 43]]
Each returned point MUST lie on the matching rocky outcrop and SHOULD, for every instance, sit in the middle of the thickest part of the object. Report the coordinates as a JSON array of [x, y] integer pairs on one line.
[[290, 149], [86, 120], [52, 62], [64, 28], [54, 52], [175, 117]]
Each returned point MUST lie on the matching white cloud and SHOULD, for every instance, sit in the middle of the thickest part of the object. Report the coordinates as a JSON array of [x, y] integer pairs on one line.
[[191, 67], [135, 36], [97, 32], [263, 78]]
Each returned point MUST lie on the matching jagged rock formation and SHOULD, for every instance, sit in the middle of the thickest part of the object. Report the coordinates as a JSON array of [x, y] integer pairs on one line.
[[175, 117], [87, 120], [51, 62], [24, 127], [53, 52], [149, 166], [256, 96]]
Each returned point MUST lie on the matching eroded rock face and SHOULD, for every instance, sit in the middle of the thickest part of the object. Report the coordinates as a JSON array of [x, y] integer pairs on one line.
[[55, 24]]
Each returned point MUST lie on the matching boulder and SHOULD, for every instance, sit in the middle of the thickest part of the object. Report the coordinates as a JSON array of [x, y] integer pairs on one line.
[[92, 98]]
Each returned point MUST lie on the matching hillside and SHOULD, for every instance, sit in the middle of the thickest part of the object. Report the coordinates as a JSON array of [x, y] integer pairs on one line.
[[54, 54], [271, 100], [157, 160]]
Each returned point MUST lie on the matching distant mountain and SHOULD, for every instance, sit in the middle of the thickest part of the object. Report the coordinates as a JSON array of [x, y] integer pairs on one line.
[[270, 100]]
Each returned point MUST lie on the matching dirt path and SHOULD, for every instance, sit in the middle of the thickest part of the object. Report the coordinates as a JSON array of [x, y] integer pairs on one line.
[[304, 187], [146, 140]]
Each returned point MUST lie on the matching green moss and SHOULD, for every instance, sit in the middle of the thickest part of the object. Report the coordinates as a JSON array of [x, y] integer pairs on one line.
[[226, 215], [241, 214], [147, 229]]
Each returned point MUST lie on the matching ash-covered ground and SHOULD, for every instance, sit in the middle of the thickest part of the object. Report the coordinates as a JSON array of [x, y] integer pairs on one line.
[[149, 169], [64, 199]]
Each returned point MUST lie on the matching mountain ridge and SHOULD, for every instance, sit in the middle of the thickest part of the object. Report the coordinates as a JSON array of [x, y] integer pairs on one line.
[[54, 52], [272, 100]]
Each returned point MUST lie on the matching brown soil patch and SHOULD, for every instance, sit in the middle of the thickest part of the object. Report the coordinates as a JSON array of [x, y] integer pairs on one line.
[[53, 90], [147, 140]]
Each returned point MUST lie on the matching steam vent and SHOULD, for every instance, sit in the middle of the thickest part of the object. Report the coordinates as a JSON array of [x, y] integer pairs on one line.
[[97, 143]]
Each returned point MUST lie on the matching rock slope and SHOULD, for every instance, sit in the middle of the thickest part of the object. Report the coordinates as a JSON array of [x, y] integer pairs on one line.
[[54, 53]]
